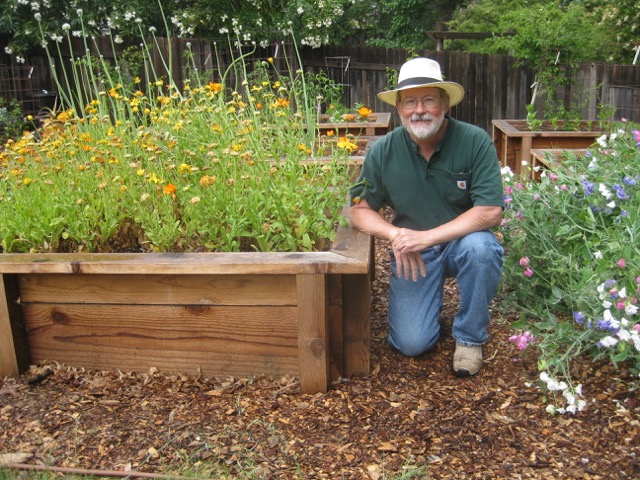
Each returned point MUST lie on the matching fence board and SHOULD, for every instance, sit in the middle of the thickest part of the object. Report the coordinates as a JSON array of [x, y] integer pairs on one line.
[[495, 87]]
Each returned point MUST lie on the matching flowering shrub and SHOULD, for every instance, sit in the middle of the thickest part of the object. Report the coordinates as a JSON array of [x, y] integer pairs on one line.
[[162, 168], [573, 261]]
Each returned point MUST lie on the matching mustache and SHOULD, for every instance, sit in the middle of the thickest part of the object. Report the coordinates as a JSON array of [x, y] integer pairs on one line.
[[427, 117]]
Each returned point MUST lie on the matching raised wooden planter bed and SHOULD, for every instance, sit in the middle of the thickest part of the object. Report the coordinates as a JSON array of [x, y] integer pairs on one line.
[[514, 142], [551, 158], [215, 314], [376, 124]]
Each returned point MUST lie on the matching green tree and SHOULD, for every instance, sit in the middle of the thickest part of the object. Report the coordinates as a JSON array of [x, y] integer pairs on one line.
[[551, 37], [404, 23]]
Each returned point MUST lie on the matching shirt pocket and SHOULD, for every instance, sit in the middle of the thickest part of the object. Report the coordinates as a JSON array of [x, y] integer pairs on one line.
[[459, 189]]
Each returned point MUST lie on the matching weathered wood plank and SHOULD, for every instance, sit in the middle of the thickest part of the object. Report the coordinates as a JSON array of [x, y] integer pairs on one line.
[[336, 327], [313, 333], [249, 263], [215, 340], [160, 289], [8, 358], [357, 324], [14, 348]]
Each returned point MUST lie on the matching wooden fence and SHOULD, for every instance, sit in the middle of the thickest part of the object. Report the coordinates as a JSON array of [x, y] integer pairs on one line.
[[495, 87]]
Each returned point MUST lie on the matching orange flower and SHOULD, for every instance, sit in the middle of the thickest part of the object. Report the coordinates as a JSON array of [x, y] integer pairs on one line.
[[214, 87], [281, 102], [349, 117], [364, 112], [170, 189]]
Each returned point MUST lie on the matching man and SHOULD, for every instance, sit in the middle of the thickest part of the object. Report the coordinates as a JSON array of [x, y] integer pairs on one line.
[[442, 179]]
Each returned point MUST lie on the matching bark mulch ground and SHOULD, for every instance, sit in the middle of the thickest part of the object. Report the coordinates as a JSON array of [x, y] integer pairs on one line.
[[407, 413]]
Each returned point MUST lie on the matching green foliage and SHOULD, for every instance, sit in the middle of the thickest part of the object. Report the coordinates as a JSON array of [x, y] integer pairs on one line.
[[404, 23], [541, 29], [161, 168], [573, 263], [12, 121]]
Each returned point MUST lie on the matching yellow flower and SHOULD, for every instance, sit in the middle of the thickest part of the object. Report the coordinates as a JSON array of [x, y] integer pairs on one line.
[[364, 112], [347, 144], [27, 181], [184, 168]]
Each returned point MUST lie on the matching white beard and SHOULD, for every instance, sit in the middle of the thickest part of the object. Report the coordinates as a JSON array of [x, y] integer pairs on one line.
[[423, 127]]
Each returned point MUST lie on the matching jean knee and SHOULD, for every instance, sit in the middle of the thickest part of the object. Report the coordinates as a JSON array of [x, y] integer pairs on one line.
[[483, 247], [413, 345]]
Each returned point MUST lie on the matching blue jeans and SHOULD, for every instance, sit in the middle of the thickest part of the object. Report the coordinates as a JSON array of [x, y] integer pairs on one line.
[[414, 307]]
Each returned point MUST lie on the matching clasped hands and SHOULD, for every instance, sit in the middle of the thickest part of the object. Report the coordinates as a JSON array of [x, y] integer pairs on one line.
[[407, 245]]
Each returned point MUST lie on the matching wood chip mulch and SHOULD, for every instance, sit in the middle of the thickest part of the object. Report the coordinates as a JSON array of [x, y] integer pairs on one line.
[[407, 413]]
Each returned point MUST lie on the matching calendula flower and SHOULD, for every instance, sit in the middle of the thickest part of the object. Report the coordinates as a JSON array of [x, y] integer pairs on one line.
[[364, 112], [169, 189]]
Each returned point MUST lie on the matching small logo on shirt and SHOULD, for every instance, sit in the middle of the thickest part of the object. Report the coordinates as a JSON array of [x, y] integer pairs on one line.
[[462, 184]]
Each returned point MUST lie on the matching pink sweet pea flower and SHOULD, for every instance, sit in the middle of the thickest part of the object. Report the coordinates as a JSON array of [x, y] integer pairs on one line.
[[622, 263], [524, 262], [528, 272], [522, 340]]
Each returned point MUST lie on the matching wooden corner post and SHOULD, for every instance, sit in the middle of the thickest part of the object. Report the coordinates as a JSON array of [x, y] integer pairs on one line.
[[313, 333]]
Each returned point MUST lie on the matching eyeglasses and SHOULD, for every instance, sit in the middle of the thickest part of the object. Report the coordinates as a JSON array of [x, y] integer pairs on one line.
[[428, 103]]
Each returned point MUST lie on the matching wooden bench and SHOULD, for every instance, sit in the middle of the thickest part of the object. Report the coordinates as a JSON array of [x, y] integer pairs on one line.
[[303, 314]]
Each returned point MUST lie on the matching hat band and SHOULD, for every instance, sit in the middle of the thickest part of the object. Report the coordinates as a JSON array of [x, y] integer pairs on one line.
[[417, 81]]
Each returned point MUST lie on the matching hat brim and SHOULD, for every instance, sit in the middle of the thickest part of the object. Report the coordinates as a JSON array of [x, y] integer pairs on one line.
[[454, 90]]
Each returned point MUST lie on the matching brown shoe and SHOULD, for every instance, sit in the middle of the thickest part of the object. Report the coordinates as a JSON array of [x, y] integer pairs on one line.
[[467, 361]]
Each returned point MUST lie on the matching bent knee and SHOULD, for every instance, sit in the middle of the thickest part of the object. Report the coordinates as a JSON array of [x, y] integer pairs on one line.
[[412, 346]]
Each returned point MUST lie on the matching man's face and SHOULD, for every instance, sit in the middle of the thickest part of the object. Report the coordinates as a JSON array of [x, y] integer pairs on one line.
[[422, 111]]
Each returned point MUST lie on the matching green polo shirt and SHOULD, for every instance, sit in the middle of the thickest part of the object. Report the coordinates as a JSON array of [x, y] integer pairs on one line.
[[463, 172]]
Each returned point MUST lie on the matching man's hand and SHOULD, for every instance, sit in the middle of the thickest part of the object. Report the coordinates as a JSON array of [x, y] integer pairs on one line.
[[410, 265], [407, 245]]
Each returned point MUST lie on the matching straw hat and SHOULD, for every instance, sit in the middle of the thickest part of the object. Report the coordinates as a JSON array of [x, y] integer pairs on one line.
[[422, 72]]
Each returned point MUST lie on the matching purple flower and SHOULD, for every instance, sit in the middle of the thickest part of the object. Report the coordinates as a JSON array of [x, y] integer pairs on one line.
[[622, 195], [587, 187], [629, 181], [578, 317], [610, 283]]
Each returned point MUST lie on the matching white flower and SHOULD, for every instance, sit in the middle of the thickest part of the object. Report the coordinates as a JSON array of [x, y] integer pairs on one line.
[[624, 335], [8, 51], [300, 10], [598, 255], [602, 141], [630, 309], [551, 409], [66, 27], [606, 193], [38, 17], [608, 341]]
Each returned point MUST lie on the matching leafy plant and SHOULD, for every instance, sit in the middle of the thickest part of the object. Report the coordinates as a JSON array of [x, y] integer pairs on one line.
[[162, 168], [12, 120], [573, 267]]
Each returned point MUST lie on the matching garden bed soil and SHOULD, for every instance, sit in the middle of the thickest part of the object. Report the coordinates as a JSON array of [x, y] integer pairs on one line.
[[407, 412]]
